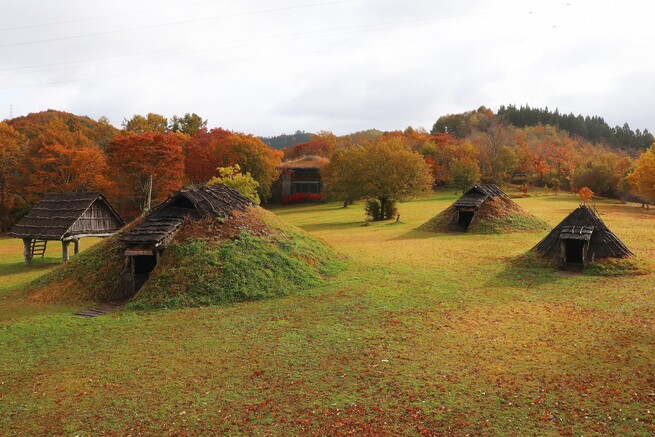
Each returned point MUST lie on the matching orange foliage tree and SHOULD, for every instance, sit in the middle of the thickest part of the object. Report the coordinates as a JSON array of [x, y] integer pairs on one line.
[[642, 178], [61, 160], [586, 194], [135, 159], [321, 144], [209, 150], [442, 151], [11, 148]]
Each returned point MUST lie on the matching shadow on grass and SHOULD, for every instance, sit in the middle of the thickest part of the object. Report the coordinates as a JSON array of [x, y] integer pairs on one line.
[[525, 269], [416, 234], [331, 226], [300, 209], [7, 269]]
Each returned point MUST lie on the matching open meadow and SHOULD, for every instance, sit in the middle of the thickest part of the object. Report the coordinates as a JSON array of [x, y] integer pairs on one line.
[[423, 333]]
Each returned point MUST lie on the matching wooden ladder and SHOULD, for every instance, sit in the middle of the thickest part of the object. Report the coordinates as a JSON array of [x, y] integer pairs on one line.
[[38, 248]]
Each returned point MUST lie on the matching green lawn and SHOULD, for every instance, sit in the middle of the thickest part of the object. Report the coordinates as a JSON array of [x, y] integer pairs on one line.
[[423, 333]]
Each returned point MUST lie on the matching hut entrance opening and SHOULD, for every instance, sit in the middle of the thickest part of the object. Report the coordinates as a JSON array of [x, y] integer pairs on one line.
[[574, 251], [464, 219], [143, 265]]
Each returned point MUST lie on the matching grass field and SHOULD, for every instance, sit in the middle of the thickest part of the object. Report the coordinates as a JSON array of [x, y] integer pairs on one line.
[[423, 334]]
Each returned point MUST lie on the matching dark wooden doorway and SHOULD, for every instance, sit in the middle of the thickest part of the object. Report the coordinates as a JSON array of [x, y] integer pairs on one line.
[[142, 266], [464, 219], [574, 252]]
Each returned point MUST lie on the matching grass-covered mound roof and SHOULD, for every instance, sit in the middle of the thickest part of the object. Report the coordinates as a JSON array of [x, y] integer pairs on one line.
[[484, 209], [250, 254]]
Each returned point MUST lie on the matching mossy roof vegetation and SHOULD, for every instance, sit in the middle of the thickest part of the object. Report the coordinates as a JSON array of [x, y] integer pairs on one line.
[[489, 211], [248, 254]]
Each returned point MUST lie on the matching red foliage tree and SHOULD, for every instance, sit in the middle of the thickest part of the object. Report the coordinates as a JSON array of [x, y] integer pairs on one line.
[[209, 150], [205, 152], [59, 159], [322, 144], [135, 159]]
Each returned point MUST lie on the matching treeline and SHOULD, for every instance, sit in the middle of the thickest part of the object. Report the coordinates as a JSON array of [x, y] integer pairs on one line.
[[57, 151], [593, 128], [478, 145]]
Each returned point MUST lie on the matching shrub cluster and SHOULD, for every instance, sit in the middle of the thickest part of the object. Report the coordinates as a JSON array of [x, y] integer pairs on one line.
[[302, 198], [373, 210]]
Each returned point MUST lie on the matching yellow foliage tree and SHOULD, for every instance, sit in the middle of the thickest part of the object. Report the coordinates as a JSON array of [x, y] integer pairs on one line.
[[642, 179], [233, 178], [386, 170]]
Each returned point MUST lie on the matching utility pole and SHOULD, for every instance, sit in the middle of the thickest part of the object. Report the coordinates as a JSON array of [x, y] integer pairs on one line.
[[149, 194]]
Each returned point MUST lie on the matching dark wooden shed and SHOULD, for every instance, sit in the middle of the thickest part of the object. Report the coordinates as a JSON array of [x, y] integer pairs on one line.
[[147, 240], [302, 175], [66, 217]]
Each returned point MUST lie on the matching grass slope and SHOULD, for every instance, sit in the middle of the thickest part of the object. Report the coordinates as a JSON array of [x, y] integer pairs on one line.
[[495, 216], [262, 258], [252, 256], [424, 333]]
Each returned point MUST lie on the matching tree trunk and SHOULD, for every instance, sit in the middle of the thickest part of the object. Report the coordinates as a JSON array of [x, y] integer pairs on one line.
[[383, 207]]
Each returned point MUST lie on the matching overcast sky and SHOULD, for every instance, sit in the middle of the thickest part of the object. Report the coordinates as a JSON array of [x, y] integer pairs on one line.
[[268, 67]]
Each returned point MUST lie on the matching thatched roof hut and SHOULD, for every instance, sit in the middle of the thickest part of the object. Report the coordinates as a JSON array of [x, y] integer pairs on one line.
[[66, 217], [580, 239], [483, 208], [162, 222], [146, 241]]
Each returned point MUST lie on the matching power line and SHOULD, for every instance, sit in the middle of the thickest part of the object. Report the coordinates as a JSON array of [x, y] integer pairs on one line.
[[296, 35], [252, 59], [172, 23], [103, 17]]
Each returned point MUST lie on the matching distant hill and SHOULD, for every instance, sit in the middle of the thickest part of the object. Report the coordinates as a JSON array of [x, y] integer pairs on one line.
[[593, 128], [286, 140], [33, 124]]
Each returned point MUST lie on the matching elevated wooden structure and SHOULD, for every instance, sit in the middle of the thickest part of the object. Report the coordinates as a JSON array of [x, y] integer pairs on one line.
[[66, 217], [302, 175]]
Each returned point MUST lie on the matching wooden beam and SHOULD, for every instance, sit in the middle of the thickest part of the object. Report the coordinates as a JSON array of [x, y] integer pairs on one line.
[[27, 250], [78, 236], [139, 252], [64, 251], [76, 246]]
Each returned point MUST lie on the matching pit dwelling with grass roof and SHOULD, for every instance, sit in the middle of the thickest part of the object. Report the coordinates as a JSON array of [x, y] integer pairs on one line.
[[484, 209], [204, 245]]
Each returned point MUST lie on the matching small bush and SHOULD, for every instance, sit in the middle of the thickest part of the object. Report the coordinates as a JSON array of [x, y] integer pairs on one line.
[[373, 210]]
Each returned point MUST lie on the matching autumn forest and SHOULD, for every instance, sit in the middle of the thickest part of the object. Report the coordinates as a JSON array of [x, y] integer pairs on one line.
[[155, 155]]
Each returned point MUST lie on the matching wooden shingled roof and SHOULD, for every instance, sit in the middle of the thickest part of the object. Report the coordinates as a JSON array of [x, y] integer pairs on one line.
[[476, 196], [63, 216], [583, 224], [163, 221]]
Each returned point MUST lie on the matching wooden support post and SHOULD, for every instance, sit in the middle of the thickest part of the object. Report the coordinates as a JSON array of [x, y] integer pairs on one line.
[[64, 251], [27, 250], [76, 246]]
